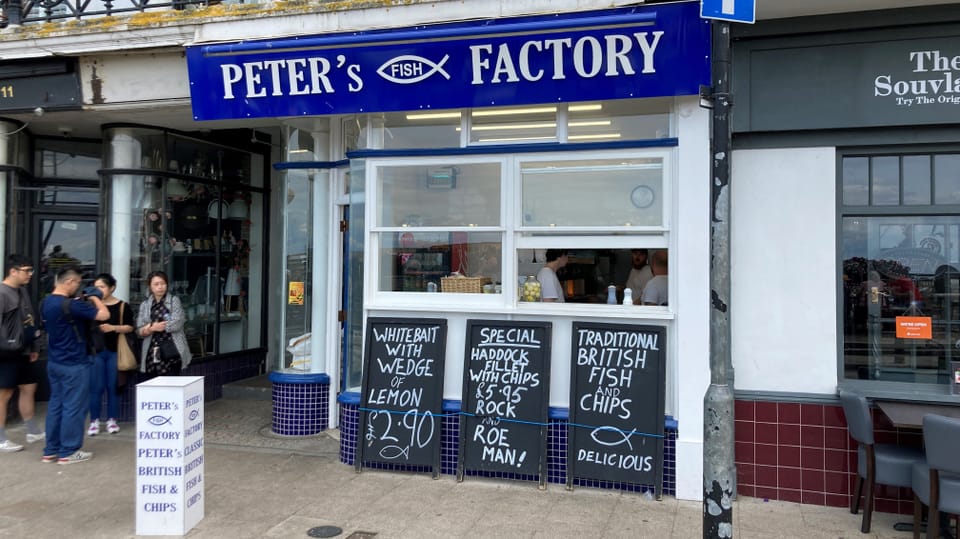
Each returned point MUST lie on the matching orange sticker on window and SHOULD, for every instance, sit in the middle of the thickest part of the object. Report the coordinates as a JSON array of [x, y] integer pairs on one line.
[[914, 327], [295, 293]]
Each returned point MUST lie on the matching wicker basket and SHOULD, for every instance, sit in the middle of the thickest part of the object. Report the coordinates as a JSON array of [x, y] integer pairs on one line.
[[464, 285]]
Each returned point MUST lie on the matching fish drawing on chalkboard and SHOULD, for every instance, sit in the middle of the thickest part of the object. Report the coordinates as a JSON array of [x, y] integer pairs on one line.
[[623, 436], [391, 452]]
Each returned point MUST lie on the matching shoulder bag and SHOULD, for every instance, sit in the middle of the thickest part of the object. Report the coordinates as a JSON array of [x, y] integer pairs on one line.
[[126, 361]]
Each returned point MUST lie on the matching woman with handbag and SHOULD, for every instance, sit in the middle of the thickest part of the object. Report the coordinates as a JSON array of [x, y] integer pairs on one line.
[[160, 323], [103, 376]]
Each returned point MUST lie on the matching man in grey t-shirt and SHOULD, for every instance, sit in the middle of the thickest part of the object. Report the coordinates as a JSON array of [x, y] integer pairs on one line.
[[19, 369]]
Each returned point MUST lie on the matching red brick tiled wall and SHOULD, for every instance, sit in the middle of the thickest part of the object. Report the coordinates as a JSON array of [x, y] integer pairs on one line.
[[802, 453]]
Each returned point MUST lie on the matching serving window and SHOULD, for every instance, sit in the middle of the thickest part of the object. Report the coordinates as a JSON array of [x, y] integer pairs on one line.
[[482, 225]]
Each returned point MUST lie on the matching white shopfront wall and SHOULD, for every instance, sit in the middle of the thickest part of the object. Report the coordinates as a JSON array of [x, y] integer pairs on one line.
[[648, 92]]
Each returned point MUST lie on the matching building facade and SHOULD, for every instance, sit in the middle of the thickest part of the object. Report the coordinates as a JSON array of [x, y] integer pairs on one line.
[[420, 163]]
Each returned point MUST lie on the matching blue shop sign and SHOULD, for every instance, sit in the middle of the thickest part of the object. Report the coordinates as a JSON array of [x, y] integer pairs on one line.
[[651, 51]]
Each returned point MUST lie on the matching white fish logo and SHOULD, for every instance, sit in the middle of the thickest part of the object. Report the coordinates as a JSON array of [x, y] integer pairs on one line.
[[391, 452], [411, 69], [624, 437]]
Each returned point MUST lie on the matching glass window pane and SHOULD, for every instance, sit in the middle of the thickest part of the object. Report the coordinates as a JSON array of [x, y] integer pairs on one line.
[[514, 124], [422, 129], [418, 261], [431, 196], [67, 159], [946, 177], [916, 179], [593, 193], [886, 181], [895, 267], [855, 174], [630, 119], [298, 218], [587, 275]]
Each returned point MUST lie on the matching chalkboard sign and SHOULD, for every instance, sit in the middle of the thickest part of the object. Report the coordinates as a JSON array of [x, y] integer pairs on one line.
[[402, 398], [505, 387], [616, 404]]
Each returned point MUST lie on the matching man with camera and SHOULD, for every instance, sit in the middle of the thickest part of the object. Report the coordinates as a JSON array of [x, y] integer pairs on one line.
[[68, 364]]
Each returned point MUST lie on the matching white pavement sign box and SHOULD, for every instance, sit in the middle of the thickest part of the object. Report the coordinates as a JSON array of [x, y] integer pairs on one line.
[[169, 455]]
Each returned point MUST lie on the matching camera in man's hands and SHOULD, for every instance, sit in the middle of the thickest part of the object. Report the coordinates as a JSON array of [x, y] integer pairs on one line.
[[91, 291]]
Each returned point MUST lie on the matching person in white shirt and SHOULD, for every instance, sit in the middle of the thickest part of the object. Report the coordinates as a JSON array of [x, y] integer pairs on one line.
[[550, 289], [640, 274], [655, 293]]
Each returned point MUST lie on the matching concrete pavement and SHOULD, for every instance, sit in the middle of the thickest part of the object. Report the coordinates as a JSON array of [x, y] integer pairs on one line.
[[261, 485]]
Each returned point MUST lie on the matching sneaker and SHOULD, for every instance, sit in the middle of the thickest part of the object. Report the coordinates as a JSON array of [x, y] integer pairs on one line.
[[77, 456], [48, 458], [34, 438], [9, 447], [94, 428], [112, 426]]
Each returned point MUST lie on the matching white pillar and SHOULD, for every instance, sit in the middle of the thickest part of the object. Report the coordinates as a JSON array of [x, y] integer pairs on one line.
[[125, 151]]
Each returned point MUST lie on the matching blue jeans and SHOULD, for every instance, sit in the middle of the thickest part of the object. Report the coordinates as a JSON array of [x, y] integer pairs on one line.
[[103, 375], [67, 409]]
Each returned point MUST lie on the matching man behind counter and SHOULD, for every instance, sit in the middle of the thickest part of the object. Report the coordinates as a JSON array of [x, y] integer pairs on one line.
[[640, 274], [550, 289]]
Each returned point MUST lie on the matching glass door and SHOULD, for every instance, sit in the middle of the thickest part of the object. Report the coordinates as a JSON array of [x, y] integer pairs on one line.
[[63, 241]]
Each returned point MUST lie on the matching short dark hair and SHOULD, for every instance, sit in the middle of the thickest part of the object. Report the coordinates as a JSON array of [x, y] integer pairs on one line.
[[553, 254], [67, 272], [110, 280], [15, 261], [158, 273]]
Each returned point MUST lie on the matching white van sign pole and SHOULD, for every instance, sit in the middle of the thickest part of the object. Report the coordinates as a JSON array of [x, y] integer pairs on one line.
[[169, 463]]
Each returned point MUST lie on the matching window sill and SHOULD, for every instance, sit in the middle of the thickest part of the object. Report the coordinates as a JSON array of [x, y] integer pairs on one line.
[[899, 391], [492, 304]]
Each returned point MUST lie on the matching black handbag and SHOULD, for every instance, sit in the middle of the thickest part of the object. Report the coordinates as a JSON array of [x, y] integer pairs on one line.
[[168, 350], [163, 357]]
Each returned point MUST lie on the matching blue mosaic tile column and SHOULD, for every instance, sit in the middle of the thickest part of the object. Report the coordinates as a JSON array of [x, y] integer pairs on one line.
[[300, 403], [349, 423]]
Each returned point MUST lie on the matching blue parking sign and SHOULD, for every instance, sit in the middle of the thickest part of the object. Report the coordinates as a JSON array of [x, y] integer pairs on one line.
[[729, 10]]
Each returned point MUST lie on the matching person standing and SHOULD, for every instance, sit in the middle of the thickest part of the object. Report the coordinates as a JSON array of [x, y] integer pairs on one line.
[[640, 274], [19, 369], [103, 376], [68, 365], [655, 293], [160, 320], [550, 289]]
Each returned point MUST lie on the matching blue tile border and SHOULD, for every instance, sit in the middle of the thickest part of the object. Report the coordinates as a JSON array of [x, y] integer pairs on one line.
[[556, 449]]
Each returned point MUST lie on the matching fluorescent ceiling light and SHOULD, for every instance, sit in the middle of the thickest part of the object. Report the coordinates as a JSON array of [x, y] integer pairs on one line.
[[594, 137], [585, 107], [433, 116], [513, 139], [510, 112], [542, 125], [589, 123]]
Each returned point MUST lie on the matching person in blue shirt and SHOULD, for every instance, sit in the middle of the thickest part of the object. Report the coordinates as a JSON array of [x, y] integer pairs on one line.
[[68, 365]]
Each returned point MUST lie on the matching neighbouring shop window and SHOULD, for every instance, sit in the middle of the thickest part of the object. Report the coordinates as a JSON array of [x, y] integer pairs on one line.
[[900, 251], [193, 210]]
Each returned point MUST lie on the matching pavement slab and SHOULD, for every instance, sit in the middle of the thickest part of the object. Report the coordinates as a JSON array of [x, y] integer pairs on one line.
[[259, 485]]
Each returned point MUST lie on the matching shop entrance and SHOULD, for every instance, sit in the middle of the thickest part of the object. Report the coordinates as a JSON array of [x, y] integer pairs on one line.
[[60, 241]]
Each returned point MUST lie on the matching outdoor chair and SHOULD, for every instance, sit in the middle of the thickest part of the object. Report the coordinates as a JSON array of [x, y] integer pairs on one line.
[[936, 482], [877, 464]]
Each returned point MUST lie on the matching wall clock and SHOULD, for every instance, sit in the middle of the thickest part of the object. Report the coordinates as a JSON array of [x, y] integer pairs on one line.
[[642, 196]]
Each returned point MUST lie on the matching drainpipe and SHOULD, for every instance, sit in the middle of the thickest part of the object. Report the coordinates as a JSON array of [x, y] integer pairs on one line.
[[719, 473]]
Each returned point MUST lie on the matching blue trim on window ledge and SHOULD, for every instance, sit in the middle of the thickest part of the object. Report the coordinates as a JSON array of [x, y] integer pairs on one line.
[[294, 378], [518, 148], [349, 398]]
